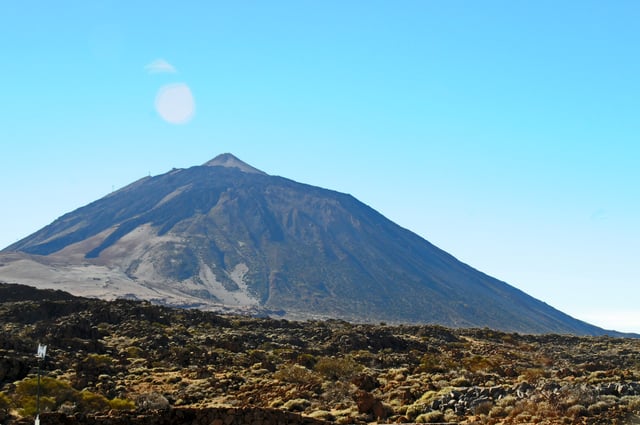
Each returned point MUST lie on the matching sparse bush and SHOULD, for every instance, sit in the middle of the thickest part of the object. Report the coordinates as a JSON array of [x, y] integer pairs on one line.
[[337, 368], [498, 412], [576, 411], [533, 374], [482, 408], [431, 363], [295, 374], [307, 360], [508, 400], [478, 364], [337, 393]]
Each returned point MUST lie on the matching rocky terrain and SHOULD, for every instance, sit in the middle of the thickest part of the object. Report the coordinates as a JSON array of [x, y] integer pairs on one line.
[[129, 359]]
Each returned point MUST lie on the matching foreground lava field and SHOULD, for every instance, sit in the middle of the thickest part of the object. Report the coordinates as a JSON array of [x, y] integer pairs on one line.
[[128, 355]]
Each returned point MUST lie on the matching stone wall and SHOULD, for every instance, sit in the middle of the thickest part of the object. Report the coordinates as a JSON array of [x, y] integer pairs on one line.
[[182, 416]]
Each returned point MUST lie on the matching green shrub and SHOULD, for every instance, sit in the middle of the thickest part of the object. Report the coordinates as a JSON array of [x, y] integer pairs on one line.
[[92, 402], [5, 402], [59, 391], [121, 404], [53, 394], [29, 406]]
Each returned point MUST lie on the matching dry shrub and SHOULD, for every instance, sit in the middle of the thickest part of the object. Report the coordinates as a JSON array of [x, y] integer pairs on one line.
[[336, 368], [295, 374], [478, 363], [431, 363], [498, 412], [434, 416], [598, 407], [482, 408], [508, 400], [533, 374], [338, 394], [577, 411]]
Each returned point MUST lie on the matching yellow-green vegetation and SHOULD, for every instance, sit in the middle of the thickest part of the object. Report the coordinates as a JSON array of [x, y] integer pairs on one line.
[[5, 402], [54, 393], [121, 404], [109, 354]]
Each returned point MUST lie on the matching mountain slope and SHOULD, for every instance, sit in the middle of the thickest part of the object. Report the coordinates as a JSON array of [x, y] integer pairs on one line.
[[228, 234]]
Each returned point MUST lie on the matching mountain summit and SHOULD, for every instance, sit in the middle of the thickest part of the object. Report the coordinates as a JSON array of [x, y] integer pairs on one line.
[[230, 161], [227, 235]]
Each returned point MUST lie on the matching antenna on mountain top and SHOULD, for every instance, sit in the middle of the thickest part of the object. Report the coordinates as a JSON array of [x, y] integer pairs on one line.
[[42, 353]]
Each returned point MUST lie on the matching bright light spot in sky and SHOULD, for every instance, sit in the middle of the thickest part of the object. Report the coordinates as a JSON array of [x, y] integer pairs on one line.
[[175, 104]]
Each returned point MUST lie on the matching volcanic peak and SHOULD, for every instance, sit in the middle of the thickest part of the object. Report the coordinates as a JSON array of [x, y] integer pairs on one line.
[[230, 161]]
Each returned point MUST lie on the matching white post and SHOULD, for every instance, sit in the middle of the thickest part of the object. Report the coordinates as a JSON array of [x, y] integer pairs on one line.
[[42, 352]]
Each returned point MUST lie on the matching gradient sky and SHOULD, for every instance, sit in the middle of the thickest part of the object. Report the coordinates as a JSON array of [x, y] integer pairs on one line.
[[505, 132]]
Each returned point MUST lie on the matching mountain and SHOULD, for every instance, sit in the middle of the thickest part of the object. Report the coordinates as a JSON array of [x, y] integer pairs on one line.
[[227, 235]]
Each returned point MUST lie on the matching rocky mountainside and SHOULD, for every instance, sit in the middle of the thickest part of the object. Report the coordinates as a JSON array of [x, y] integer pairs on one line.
[[227, 235], [132, 358]]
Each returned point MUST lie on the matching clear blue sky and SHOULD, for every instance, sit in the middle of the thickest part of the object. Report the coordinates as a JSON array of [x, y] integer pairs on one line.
[[505, 132]]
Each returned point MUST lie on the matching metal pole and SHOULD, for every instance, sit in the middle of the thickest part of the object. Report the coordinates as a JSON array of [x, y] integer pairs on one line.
[[38, 393]]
